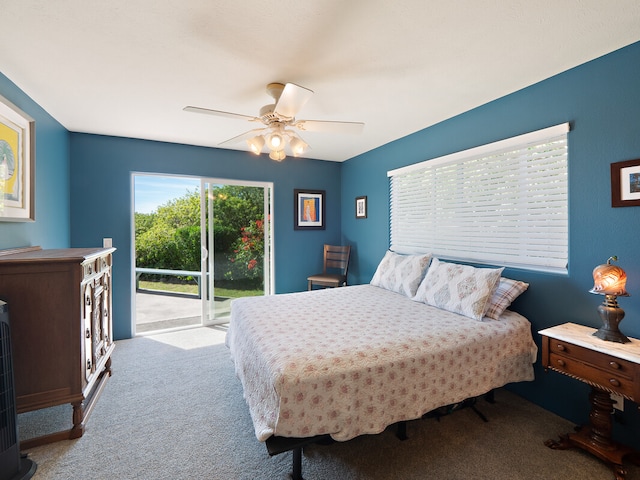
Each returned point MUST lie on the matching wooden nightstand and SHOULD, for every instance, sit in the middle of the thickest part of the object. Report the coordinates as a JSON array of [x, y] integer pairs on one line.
[[609, 367]]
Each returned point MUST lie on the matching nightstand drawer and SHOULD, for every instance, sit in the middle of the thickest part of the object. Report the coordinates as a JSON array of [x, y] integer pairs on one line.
[[613, 365], [583, 371]]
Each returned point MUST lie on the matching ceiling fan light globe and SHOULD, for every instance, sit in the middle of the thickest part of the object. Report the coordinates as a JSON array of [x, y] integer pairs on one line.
[[298, 146], [277, 155], [275, 141], [255, 144]]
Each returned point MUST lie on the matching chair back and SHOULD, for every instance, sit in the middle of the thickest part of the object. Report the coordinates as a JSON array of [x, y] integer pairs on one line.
[[336, 259]]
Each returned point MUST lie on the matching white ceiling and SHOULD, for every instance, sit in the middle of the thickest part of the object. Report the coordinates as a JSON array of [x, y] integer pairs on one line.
[[128, 67]]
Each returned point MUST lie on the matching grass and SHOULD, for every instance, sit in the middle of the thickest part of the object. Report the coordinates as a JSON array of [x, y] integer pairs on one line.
[[192, 288]]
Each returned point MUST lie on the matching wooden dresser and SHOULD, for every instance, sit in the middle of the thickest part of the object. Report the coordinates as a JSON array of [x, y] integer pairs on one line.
[[61, 329], [609, 367]]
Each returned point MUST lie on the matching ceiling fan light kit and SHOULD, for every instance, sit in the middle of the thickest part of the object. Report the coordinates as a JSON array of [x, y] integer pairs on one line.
[[276, 141], [289, 99]]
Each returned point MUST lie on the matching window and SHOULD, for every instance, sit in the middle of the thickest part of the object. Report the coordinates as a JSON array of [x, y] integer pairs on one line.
[[504, 203]]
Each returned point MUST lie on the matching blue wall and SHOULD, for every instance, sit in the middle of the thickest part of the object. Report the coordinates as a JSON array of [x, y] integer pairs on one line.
[[51, 228], [601, 100], [101, 202]]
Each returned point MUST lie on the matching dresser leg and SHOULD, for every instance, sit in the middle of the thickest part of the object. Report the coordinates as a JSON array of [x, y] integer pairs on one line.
[[78, 420], [596, 436], [107, 366]]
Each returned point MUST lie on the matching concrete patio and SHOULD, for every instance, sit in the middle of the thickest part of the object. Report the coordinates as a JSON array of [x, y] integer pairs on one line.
[[160, 310]]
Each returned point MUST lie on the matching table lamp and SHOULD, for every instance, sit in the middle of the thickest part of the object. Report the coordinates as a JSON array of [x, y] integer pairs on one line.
[[610, 280]]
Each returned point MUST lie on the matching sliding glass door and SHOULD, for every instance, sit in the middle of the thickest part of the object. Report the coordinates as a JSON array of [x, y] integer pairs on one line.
[[237, 244]]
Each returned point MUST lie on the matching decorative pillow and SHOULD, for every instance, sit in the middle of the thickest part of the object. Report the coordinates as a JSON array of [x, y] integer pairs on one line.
[[401, 273], [505, 293], [458, 288]]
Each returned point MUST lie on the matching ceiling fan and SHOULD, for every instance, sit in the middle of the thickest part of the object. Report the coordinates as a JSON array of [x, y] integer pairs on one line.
[[280, 121]]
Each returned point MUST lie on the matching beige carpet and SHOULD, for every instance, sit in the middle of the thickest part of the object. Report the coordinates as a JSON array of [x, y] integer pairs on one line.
[[173, 409]]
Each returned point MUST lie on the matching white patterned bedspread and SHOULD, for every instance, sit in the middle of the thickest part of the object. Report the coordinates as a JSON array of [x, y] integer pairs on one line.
[[353, 360]]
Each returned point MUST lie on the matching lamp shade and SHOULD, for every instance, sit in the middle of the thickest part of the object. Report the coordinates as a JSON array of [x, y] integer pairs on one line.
[[609, 279]]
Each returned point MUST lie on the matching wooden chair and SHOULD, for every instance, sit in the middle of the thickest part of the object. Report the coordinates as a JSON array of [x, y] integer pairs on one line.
[[334, 271]]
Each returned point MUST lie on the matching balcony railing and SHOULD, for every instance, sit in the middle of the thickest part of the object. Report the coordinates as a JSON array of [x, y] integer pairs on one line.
[[175, 273]]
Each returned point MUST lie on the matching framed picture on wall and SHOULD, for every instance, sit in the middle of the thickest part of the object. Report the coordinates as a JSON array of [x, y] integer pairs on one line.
[[625, 183], [17, 164], [308, 209], [361, 207]]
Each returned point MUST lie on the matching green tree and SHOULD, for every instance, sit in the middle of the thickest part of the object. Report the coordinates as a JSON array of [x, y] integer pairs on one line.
[[180, 212], [143, 222], [170, 237], [236, 206]]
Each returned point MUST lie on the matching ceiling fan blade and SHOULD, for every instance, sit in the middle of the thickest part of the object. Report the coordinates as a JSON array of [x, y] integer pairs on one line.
[[243, 136], [329, 127], [219, 113], [292, 99]]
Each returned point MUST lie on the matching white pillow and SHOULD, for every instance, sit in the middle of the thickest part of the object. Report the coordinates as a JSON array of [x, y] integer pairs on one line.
[[401, 273], [505, 293], [458, 288]]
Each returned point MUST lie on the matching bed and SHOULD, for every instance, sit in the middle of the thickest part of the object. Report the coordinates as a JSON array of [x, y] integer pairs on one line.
[[349, 361]]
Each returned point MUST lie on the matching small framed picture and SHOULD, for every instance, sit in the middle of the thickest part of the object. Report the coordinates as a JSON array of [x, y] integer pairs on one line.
[[625, 183], [308, 209], [361, 207]]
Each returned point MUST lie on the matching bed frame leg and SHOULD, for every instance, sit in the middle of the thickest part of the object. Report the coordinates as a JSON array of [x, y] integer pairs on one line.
[[401, 433], [490, 396], [296, 474]]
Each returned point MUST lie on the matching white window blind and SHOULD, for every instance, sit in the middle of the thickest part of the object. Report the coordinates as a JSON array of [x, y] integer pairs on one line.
[[503, 203]]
